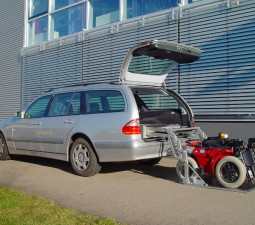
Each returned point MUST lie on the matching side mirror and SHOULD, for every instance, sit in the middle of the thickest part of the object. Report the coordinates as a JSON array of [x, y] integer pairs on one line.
[[20, 114]]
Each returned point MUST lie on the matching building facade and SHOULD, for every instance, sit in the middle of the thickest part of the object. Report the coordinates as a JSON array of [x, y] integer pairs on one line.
[[52, 43]]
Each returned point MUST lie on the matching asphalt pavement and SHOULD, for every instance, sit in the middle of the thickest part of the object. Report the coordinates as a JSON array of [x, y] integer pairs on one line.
[[130, 193]]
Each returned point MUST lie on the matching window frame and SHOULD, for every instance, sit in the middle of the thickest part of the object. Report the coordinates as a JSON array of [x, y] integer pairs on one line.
[[49, 14], [88, 17], [52, 13]]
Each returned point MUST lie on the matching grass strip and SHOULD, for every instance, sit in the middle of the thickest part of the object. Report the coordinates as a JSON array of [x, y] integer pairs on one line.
[[17, 207]]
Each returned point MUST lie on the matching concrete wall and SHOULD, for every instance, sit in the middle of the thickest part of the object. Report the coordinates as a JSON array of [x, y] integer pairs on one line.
[[237, 130]]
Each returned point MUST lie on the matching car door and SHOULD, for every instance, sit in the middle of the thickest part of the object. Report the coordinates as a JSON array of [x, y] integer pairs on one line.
[[149, 63], [63, 114], [26, 131]]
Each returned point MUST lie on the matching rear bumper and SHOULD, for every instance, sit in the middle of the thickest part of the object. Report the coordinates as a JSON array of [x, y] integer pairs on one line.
[[109, 151]]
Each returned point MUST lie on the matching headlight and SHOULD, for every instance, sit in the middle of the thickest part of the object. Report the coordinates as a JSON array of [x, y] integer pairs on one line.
[[223, 135]]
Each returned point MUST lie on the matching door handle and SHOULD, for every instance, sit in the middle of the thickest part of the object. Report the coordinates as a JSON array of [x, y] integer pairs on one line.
[[37, 123], [69, 121]]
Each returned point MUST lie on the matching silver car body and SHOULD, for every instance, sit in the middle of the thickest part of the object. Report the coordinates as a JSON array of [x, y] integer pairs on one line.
[[51, 136]]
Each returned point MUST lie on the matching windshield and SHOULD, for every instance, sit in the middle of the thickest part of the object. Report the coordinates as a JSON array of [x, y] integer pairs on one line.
[[148, 65]]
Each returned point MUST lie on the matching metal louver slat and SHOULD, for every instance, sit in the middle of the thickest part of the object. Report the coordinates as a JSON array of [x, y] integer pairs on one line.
[[51, 68], [224, 76], [241, 56], [11, 39]]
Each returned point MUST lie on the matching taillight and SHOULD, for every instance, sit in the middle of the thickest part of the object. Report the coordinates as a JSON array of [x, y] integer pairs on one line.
[[144, 43], [193, 122], [132, 127]]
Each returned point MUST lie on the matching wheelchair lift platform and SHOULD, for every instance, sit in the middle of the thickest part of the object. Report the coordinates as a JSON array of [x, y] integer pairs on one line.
[[176, 139]]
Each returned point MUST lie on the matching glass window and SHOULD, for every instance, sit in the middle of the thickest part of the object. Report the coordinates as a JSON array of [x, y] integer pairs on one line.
[[148, 65], [65, 104], [156, 100], [38, 31], [68, 21], [37, 8], [105, 12], [142, 7], [58, 4], [38, 108], [104, 101]]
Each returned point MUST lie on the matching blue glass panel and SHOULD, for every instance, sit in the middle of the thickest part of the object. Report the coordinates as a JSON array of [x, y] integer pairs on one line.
[[143, 7], [105, 12], [68, 21], [57, 4], [38, 31], [37, 8]]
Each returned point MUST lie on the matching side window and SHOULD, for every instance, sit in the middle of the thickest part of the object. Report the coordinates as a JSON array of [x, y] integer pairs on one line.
[[104, 101], [62, 105], [38, 108]]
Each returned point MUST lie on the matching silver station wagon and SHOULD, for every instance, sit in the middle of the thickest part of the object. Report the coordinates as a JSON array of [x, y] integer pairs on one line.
[[95, 123]]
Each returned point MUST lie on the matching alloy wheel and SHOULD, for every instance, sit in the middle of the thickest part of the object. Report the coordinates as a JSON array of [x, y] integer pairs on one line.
[[81, 157]]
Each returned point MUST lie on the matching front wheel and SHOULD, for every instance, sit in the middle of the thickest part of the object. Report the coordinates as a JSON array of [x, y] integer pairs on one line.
[[180, 168], [4, 153], [230, 172], [83, 158]]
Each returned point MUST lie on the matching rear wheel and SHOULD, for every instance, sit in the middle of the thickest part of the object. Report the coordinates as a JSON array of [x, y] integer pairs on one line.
[[4, 152], [180, 168], [230, 172], [150, 162], [83, 158]]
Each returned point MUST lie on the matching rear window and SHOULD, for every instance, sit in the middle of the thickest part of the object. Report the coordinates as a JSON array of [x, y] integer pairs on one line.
[[153, 100], [103, 101], [148, 65]]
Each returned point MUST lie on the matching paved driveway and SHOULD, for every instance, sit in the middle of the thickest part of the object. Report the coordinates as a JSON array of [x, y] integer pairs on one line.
[[130, 193]]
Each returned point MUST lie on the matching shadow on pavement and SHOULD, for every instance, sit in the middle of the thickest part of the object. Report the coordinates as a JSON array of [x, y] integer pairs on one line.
[[61, 165], [157, 171]]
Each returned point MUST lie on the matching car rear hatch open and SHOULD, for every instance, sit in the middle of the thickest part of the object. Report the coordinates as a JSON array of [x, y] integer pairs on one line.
[[149, 63], [163, 116]]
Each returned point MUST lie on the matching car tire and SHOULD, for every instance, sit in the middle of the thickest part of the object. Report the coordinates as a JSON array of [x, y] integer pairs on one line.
[[180, 168], [150, 162], [4, 152], [83, 158], [230, 172]]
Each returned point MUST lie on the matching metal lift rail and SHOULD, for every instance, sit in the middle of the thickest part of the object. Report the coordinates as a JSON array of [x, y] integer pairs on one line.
[[177, 139]]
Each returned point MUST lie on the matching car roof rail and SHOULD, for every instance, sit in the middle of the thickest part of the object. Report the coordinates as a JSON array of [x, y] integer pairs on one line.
[[77, 85]]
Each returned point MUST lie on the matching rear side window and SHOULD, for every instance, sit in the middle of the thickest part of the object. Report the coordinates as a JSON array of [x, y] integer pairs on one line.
[[103, 101]]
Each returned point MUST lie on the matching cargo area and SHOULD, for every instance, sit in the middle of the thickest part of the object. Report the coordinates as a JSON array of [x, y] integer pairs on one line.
[[158, 107]]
